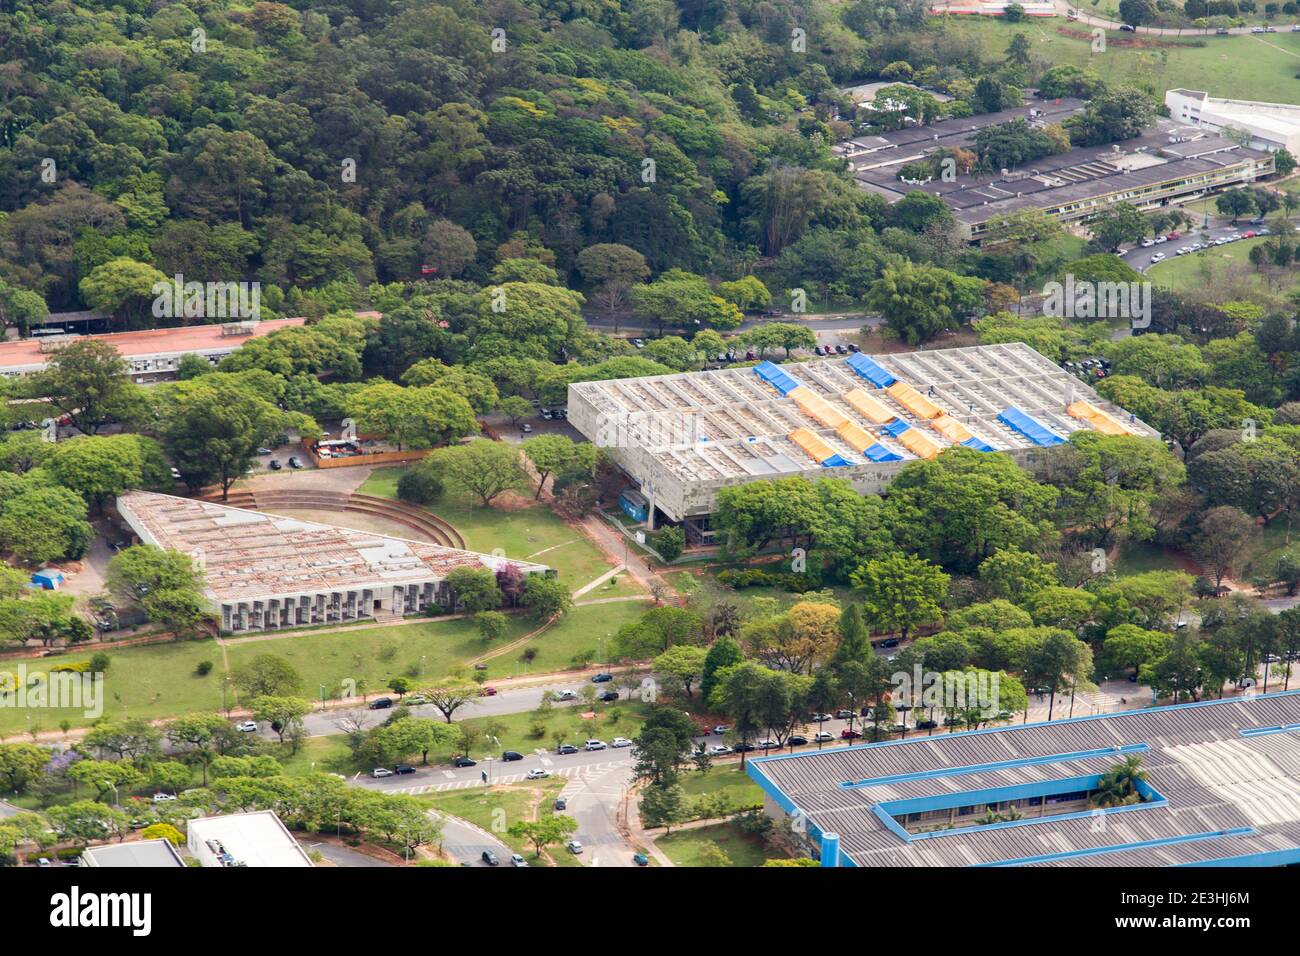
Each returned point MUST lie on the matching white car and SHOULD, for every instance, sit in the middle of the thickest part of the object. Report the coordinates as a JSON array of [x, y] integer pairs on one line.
[[1148, 243], [517, 860], [574, 846], [246, 726], [380, 772], [822, 736], [1158, 257], [596, 745], [768, 745], [537, 774], [566, 695], [415, 700], [620, 742], [721, 729], [163, 797], [719, 750], [1159, 239]]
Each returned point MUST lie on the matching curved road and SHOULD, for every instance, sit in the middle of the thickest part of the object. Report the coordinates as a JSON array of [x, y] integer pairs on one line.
[[1082, 17]]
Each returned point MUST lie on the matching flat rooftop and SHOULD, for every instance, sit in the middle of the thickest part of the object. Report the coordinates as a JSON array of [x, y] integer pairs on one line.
[[27, 353], [251, 839], [1224, 777], [735, 424], [249, 554], [136, 853], [1167, 152]]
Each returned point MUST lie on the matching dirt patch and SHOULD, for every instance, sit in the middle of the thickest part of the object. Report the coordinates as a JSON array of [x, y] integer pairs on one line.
[[1134, 42], [510, 501]]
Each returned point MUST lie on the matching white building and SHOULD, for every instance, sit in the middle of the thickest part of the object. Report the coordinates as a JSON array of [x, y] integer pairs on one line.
[[244, 839], [1270, 126]]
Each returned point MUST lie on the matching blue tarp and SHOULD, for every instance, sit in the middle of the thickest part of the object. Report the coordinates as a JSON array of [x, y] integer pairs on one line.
[[1018, 421], [47, 578], [978, 444], [836, 461], [879, 452], [773, 374], [896, 427], [870, 369]]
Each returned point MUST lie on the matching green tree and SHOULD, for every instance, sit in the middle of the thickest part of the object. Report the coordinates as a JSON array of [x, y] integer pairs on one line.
[[412, 417], [483, 468], [474, 589], [900, 592], [545, 831], [87, 380]]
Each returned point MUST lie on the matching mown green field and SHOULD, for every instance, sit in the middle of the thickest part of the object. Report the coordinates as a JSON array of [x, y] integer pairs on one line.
[[686, 847], [1206, 271], [1245, 66], [163, 681]]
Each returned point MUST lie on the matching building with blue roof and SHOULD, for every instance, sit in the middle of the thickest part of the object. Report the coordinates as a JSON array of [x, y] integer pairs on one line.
[[1221, 788]]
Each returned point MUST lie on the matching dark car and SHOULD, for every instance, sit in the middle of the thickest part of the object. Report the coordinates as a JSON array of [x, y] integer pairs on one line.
[[741, 748], [561, 803], [275, 465], [608, 696], [847, 734], [841, 350], [798, 740], [464, 762], [566, 749], [294, 462], [403, 768], [602, 678], [1128, 28], [490, 858], [512, 755], [818, 350], [892, 642], [381, 703]]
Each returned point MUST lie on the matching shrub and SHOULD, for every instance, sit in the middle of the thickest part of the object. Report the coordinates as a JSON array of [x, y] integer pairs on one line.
[[670, 542], [204, 668], [99, 662]]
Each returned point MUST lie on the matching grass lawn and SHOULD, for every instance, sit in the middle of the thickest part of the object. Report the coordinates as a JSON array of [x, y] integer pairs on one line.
[[1267, 549], [724, 778], [1207, 270], [1246, 66], [496, 808], [685, 847], [558, 725], [533, 532], [1139, 557], [162, 681]]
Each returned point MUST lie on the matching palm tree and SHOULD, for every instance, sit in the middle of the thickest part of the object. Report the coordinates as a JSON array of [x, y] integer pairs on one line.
[[1117, 787]]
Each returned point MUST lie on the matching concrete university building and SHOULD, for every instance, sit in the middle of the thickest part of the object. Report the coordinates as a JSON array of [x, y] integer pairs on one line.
[[1269, 126], [682, 437], [1222, 788], [265, 572], [244, 839]]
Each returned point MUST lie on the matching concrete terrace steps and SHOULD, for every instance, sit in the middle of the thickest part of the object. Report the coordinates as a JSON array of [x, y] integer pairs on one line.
[[437, 530]]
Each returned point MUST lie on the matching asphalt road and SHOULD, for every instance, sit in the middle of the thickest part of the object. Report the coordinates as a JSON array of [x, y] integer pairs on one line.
[[1141, 258]]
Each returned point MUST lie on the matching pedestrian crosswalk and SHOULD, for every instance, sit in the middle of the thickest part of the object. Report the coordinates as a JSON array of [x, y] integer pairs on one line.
[[571, 773]]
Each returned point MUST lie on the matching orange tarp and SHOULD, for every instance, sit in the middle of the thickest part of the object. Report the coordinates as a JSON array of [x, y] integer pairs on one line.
[[810, 442], [872, 409], [816, 407], [855, 436], [919, 444], [1098, 419], [914, 401], [951, 429]]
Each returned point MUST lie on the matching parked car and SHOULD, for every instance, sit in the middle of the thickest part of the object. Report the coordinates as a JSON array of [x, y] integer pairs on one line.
[[820, 718], [843, 714], [847, 734], [768, 745], [1128, 28], [566, 695], [596, 745], [487, 692], [517, 860], [381, 703], [608, 696], [574, 846], [719, 750], [490, 858], [464, 762], [822, 736], [415, 700], [246, 727], [852, 347], [640, 859], [537, 774], [565, 750], [796, 740], [274, 464], [163, 797], [561, 803], [721, 729], [379, 773], [402, 769], [511, 755], [525, 428], [602, 678], [294, 462], [742, 748], [620, 742]]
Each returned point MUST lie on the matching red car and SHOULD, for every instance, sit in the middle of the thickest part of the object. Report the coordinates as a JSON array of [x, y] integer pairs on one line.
[[488, 692], [1248, 235], [847, 734], [1175, 235]]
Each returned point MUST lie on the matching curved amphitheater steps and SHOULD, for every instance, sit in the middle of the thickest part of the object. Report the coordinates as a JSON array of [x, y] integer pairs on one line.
[[431, 526]]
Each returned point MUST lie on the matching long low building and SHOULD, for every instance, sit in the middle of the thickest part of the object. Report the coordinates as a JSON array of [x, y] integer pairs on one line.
[[1221, 788], [1269, 126], [1173, 162], [682, 437], [255, 839], [266, 572], [152, 354]]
